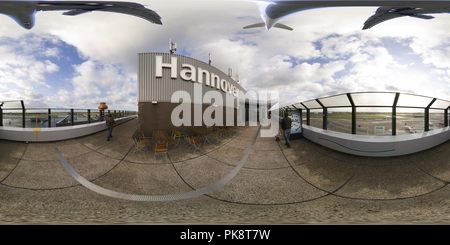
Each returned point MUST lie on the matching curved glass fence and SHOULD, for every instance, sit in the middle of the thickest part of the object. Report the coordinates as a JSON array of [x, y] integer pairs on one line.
[[14, 114], [374, 113]]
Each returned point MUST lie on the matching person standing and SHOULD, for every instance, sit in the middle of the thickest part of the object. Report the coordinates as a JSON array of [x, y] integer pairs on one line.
[[110, 123], [286, 126]]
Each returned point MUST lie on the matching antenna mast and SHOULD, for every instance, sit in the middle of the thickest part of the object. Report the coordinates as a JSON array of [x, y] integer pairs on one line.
[[172, 46]]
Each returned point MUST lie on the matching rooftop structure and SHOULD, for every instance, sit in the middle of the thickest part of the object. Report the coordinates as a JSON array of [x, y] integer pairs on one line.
[[356, 118]]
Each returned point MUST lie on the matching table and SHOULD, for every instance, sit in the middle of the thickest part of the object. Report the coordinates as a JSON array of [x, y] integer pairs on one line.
[[204, 133], [160, 136]]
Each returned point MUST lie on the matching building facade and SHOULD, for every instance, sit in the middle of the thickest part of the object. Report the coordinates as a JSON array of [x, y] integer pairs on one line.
[[179, 92]]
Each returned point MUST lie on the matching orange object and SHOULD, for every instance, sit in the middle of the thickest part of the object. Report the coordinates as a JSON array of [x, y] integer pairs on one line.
[[102, 106]]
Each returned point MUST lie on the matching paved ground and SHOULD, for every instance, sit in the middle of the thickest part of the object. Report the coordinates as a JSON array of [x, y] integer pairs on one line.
[[304, 184]]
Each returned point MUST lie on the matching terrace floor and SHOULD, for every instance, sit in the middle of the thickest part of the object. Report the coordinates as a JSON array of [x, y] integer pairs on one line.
[[243, 179]]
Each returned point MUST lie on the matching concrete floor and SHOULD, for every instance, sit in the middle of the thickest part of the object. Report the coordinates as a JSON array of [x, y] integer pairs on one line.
[[304, 184]]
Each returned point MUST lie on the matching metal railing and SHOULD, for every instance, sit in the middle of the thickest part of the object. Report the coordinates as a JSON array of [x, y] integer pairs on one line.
[[374, 113], [14, 114]]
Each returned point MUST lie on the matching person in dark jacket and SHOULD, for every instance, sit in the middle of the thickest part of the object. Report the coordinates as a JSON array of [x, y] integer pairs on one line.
[[110, 123], [286, 126]]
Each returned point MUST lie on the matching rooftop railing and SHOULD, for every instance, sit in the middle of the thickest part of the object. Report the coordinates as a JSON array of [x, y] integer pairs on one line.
[[14, 114], [374, 113]]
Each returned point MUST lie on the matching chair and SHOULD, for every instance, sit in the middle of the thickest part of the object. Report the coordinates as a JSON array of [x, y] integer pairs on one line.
[[194, 143], [176, 134], [228, 131], [143, 138], [213, 134], [174, 141], [237, 129], [186, 138], [160, 149], [220, 131], [139, 145]]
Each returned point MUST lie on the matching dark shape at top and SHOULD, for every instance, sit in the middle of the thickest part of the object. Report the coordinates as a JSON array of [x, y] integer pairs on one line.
[[23, 12]]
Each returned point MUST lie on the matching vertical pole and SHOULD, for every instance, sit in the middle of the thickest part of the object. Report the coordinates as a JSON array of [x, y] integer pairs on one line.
[[325, 115], [446, 117], [1, 117], [23, 118], [307, 114], [325, 118], [49, 118], [394, 114], [350, 99], [72, 119], [427, 115], [23, 113]]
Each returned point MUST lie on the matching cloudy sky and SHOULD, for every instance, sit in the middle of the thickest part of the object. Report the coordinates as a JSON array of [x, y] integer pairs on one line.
[[78, 61]]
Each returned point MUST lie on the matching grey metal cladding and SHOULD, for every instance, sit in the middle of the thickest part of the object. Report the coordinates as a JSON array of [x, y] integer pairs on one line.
[[152, 88]]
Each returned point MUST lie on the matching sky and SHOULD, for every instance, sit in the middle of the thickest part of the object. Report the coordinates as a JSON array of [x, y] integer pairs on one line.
[[80, 61]]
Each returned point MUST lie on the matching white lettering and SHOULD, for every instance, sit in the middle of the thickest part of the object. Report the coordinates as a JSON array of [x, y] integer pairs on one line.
[[199, 75], [215, 108], [183, 109], [230, 88], [215, 81], [223, 85], [202, 72], [160, 65], [199, 235], [188, 74]]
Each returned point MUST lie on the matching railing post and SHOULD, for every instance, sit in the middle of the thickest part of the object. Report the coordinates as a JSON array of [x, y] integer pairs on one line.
[[394, 114], [49, 118], [325, 115], [23, 113], [23, 118], [427, 116], [446, 117], [1, 117], [349, 96], [72, 118]]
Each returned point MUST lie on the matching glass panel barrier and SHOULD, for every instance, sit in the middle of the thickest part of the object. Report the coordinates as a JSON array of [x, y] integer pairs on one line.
[[373, 99], [410, 120], [11, 105], [80, 117], [312, 104], [441, 104], [409, 100], [61, 118], [40, 118], [335, 101], [436, 119], [340, 120], [375, 121], [95, 115], [12, 118], [316, 118], [36, 118]]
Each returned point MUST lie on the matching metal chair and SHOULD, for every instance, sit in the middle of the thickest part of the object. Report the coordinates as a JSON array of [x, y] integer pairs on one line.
[[194, 143], [139, 145], [160, 149], [214, 134], [176, 134], [220, 131], [143, 138], [174, 141]]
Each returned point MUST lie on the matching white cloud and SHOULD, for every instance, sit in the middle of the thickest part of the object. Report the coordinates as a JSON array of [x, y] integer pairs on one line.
[[326, 53], [21, 66]]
